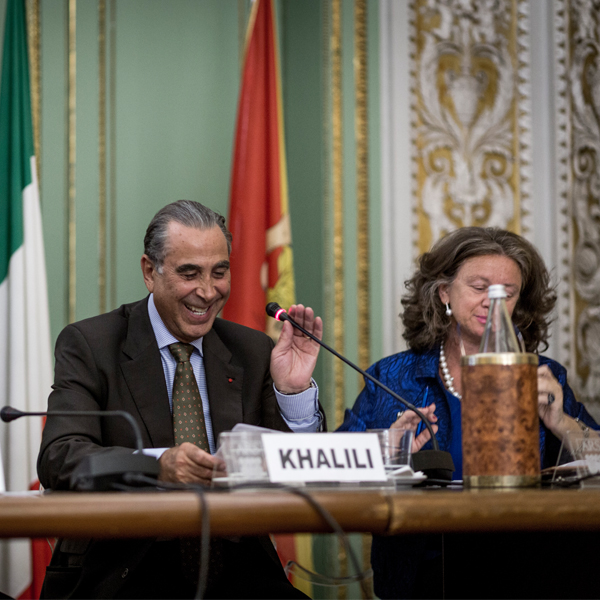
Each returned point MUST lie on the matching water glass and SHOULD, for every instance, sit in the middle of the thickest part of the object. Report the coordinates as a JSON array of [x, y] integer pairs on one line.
[[244, 456], [396, 446]]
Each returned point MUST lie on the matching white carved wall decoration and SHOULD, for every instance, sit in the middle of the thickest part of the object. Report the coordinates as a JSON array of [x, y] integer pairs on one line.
[[577, 24], [554, 151], [471, 115]]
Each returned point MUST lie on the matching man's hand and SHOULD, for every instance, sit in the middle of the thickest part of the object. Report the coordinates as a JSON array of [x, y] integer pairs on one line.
[[294, 357], [188, 464]]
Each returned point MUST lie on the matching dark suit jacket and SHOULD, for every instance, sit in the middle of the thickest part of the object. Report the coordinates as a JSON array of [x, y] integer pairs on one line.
[[112, 362]]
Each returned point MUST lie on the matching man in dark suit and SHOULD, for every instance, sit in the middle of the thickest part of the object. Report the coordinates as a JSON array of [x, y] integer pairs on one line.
[[124, 360]]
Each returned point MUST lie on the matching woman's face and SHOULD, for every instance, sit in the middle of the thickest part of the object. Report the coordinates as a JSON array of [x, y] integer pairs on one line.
[[467, 294]]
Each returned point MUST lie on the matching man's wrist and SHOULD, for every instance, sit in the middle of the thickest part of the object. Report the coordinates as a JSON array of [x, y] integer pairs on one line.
[[311, 384], [301, 411]]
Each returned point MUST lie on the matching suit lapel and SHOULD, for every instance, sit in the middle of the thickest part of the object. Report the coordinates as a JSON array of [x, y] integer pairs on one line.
[[143, 373], [224, 383]]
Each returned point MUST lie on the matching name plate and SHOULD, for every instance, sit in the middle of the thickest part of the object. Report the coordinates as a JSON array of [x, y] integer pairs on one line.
[[312, 457]]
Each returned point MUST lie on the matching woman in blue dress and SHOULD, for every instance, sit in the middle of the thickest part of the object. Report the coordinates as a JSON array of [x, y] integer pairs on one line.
[[445, 310]]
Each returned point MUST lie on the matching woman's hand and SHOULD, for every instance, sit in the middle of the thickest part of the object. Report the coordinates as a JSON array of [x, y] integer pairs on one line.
[[410, 420], [550, 401]]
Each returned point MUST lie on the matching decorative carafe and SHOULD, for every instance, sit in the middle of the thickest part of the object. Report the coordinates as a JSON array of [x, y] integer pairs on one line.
[[500, 426]]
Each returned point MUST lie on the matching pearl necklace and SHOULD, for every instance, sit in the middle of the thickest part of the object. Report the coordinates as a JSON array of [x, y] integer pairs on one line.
[[448, 379]]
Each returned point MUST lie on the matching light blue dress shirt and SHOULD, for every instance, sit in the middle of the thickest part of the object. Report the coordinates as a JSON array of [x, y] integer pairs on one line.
[[299, 411]]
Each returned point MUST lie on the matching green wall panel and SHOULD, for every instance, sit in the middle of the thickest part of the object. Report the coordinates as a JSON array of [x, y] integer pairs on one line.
[[301, 75], [87, 170], [352, 380], [177, 77], [177, 82], [53, 181]]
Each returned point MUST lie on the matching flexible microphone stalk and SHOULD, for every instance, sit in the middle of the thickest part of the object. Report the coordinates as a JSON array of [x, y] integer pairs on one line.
[[8, 414], [436, 461], [98, 472]]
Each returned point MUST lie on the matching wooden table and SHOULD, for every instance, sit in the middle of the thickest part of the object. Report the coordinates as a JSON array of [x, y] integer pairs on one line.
[[128, 515]]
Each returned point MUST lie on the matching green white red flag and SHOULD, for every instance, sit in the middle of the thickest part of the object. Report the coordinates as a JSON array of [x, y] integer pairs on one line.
[[25, 354]]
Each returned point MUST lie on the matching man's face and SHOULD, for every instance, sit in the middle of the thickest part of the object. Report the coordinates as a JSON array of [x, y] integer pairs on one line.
[[194, 283]]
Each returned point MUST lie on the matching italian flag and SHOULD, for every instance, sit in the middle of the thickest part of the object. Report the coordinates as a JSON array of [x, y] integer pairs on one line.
[[25, 356]]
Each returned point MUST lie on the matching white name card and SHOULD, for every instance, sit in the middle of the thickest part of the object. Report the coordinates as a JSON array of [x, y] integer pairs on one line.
[[323, 457]]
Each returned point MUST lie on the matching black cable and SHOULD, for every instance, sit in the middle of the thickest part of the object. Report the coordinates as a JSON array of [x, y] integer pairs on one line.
[[360, 576], [327, 517], [326, 580], [563, 482], [342, 535], [205, 522], [440, 482]]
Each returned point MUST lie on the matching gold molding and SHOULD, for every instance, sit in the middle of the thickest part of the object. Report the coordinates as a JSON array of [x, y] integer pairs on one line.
[[33, 39], [72, 62], [102, 154], [328, 299], [338, 203], [361, 128], [362, 180]]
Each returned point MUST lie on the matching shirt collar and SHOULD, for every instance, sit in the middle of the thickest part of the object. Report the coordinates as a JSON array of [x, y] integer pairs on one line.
[[163, 336]]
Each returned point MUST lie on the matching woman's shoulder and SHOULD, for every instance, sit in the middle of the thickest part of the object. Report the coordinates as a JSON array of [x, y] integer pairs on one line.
[[407, 361], [393, 359], [554, 365]]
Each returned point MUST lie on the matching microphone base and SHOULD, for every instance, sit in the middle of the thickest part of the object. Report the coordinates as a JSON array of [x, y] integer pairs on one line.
[[435, 464], [98, 472]]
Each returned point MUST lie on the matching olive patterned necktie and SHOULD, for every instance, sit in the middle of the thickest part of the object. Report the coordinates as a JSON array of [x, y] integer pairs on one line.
[[188, 416], [189, 426]]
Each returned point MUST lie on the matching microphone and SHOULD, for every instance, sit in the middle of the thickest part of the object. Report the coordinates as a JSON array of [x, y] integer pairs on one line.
[[436, 463], [99, 472]]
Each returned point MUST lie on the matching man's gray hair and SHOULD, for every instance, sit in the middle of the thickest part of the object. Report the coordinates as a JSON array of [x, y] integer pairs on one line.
[[186, 212]]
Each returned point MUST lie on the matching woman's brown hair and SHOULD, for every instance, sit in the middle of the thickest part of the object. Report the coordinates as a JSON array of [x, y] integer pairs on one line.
[[424, 318]]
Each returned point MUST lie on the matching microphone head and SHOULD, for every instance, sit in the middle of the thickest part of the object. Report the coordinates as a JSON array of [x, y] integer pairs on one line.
[[8, 414], [275, 311]]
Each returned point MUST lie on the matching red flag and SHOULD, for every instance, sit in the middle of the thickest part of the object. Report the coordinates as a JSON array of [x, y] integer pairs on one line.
[[261, 260], [262, 268]]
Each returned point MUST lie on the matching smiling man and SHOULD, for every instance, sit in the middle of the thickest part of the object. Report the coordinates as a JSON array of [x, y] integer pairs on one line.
[[192, 284], [185, 376]]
